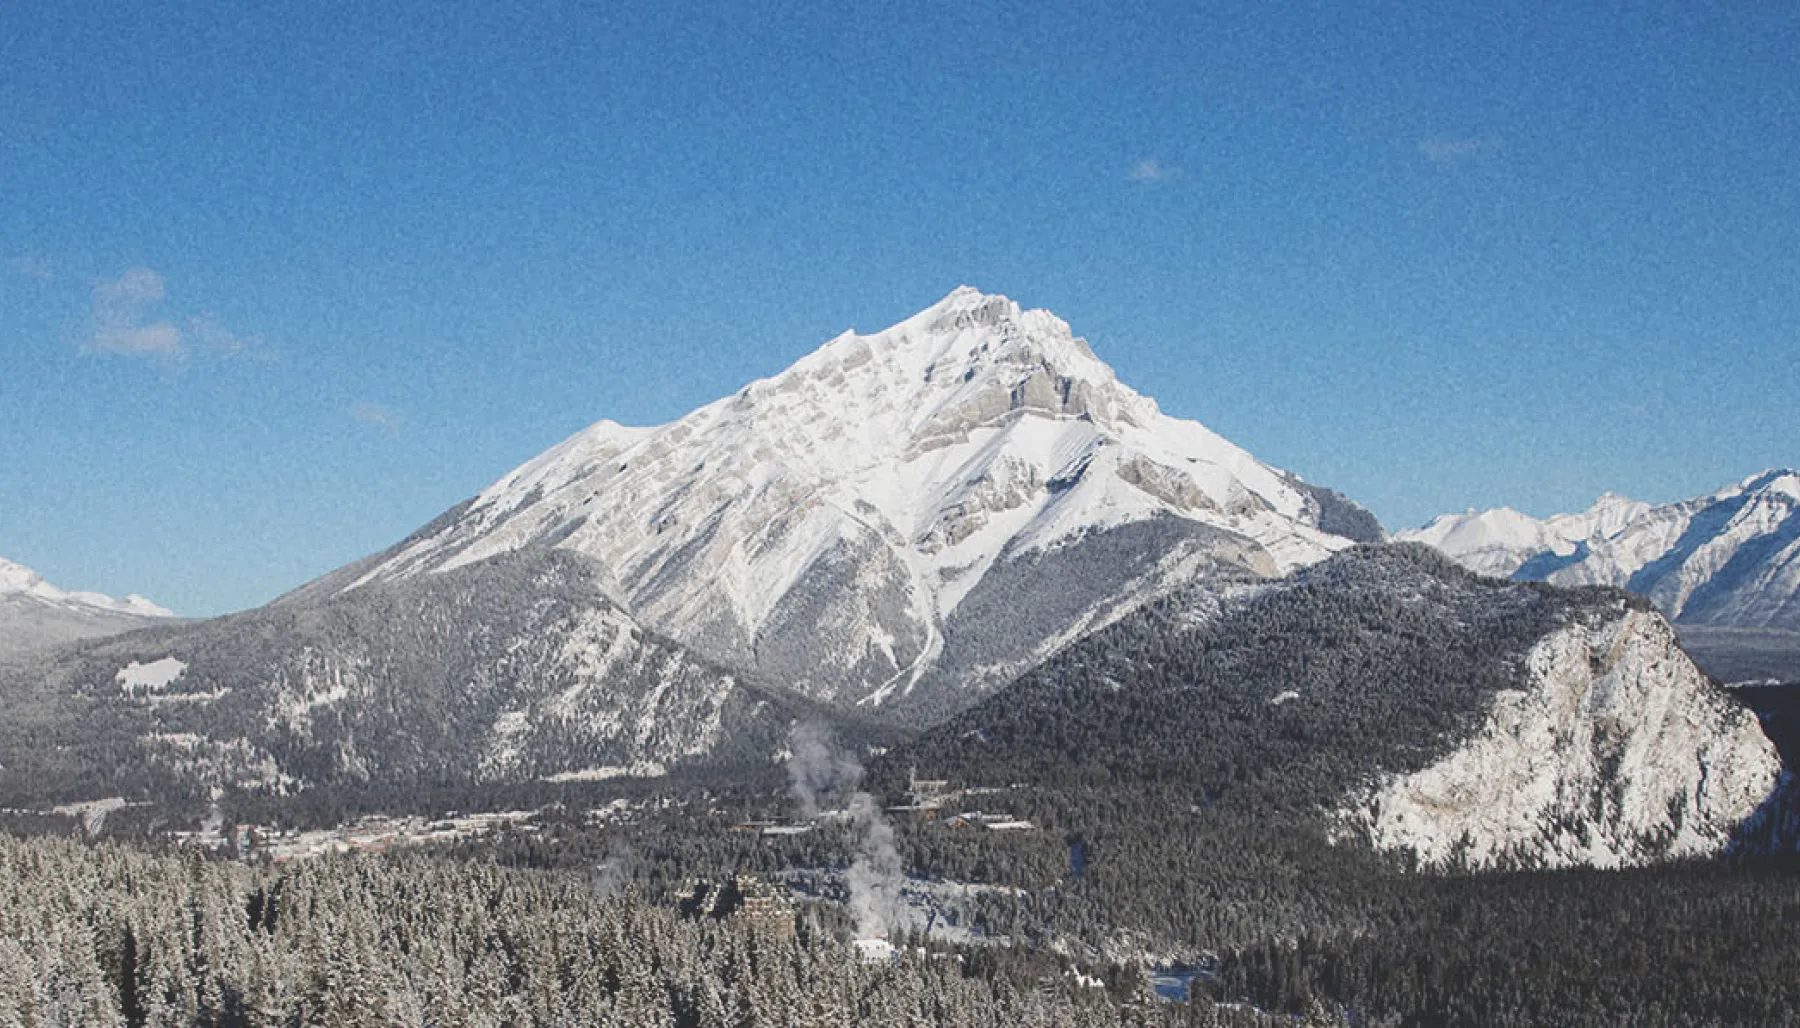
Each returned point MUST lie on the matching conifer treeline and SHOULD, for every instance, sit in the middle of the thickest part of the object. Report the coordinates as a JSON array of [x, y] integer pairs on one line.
[[115, 936]]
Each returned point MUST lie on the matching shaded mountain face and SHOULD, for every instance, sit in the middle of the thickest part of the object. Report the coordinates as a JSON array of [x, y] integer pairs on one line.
[[35, 615], [1731, 559], [903, 520], [1743, 655], [515, 669], [1406, 702]]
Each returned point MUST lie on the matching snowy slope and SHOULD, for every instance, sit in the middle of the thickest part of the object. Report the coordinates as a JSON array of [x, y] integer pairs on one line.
[[517, 669], [833, 527], [35, 614], [1731, 558]]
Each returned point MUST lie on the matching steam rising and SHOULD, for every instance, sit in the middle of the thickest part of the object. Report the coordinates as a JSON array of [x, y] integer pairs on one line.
[[613, 873], [876, 874], [818, 768]]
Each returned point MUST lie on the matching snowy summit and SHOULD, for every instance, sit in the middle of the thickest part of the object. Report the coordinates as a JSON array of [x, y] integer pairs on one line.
[[856, 524]]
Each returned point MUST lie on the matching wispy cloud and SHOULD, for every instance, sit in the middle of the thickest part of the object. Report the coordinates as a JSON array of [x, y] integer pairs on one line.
[[1150, 170], [376, 415], [31, 267], [121, 318], [124, 322], [204, 329], [1446, 150]]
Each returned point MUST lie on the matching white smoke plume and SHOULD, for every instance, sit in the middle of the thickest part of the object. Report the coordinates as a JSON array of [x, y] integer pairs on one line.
[[876, 874], [819, 769], [613, 873]]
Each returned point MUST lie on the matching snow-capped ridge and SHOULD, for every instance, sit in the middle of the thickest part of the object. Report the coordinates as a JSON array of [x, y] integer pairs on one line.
[[1777, 481], [35, 614], [20, 581], [1729, 558]]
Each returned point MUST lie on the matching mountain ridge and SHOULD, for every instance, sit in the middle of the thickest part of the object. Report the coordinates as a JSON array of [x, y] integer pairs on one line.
[[1730, 558], [35, 614], [513, 670], [1393, 699]]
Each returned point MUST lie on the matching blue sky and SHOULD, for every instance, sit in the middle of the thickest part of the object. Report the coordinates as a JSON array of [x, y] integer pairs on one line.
[[280, 282]]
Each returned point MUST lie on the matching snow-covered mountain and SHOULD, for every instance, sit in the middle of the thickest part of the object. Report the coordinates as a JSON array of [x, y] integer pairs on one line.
[[1731, 558], [35, 614], [907, 518], [517, 669]]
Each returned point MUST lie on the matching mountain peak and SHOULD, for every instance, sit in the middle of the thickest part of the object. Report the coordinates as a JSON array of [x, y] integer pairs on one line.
[[17, 578], [1782, 481], [969, 302], [986, 323], [969, 359], [826, 525]]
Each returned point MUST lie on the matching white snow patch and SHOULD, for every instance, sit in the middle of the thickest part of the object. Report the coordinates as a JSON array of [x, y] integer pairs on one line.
[[93, 813], [135, 678], [640, 769]]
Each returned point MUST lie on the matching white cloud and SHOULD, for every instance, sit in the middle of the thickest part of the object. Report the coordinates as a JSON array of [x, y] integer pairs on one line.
[[121, 309], [159, 340], [206, 330], [375, 414], [1150, 170], [126, 296], [1449, 151], [123, 322]]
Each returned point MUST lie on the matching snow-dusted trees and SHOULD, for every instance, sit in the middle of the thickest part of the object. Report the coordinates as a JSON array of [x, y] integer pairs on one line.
[[115, 936]]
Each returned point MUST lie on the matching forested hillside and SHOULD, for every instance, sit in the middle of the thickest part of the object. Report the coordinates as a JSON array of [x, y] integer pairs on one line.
[[513, 670], [1316, 695]]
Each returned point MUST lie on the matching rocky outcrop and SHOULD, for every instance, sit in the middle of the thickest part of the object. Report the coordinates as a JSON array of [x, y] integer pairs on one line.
[[1616, 751]]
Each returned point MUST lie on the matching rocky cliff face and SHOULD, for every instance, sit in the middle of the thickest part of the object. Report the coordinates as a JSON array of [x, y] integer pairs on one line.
[[1614, 751], [875, 525]]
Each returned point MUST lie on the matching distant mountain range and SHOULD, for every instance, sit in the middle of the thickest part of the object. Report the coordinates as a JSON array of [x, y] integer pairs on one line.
[[35, 614], [1725, 566]]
